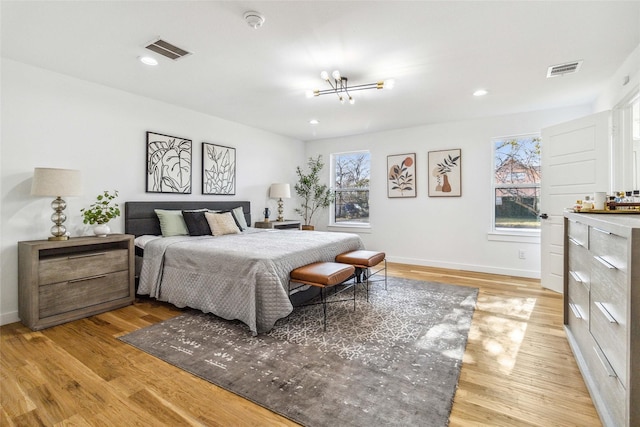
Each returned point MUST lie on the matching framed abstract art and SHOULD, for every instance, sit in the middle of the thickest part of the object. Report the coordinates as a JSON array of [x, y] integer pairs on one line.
[[218, 169], [401, 175], [445, 179], [168, 164]]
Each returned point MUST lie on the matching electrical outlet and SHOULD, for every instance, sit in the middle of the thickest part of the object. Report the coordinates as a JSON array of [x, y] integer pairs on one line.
[[521, 254]]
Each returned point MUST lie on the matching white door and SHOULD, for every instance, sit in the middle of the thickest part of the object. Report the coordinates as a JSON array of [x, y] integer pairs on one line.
[[575, 163]]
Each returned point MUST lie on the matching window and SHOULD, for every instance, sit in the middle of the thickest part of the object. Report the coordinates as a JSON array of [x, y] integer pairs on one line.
[[516, 182], [351, 172]]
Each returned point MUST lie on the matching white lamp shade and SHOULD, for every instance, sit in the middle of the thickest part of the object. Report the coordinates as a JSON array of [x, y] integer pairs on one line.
[[56, 182], [280, 191]]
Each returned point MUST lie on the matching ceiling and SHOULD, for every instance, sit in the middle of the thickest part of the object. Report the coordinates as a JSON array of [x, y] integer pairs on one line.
[[439, 53]]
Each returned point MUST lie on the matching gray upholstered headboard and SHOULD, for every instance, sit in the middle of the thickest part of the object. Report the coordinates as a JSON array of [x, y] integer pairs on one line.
[[140, 217]]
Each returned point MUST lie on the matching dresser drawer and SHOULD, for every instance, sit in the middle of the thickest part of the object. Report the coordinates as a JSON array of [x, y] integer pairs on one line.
[[579, 266], [82, 264], [578, 233], [608, 324], [610, 390], [578, 296], [578, 324], [71, 295], [609, 249]]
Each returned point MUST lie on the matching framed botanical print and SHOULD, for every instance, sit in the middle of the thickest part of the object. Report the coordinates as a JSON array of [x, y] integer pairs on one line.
[[218, 169], [445, 179], [401, 175], [168, 164]]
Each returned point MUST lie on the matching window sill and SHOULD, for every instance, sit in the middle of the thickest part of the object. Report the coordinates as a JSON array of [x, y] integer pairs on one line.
[[514, 236], [350, 228]]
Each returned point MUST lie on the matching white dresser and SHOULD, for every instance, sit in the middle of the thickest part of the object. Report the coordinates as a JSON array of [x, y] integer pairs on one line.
[[602, 310]]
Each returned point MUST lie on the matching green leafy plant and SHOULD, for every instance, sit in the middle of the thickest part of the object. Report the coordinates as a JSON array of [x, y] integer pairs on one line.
[[102, 210], [314, 195]]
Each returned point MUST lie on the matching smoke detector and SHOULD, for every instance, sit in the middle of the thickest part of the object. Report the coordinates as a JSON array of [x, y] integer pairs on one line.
[[254, 19]]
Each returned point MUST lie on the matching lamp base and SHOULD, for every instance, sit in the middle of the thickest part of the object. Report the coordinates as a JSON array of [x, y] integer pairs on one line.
[[58, 231], [280, 210], [59, 238]]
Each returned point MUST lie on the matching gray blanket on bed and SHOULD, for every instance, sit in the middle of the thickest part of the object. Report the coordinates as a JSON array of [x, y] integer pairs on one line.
[[237, 276]]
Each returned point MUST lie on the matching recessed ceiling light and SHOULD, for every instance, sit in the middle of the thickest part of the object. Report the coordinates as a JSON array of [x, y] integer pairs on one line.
[[480, 92], [147, 60], [313, 122]]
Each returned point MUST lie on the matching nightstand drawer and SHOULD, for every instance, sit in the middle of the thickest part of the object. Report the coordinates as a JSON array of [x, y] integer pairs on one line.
[[83, 264], [80, 293]]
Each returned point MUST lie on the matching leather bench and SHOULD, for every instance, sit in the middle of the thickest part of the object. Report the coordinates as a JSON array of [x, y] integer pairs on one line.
[[323, 275], [363, 261]]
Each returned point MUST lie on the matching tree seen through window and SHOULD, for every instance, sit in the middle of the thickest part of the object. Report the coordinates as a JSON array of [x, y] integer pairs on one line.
[[517, 182]]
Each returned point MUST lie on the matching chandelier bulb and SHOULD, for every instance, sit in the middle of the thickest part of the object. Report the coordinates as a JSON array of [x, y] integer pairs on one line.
[[336, 74], [324, 75], [351, 100], [341, 100]]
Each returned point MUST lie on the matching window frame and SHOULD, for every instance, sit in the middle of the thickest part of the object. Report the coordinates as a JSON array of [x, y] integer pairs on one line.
[[527, 235], [343, 225]]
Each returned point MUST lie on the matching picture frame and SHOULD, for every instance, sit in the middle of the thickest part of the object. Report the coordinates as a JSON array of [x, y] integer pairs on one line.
[[445, 173], [218, 169], [401, 175], [168, 164]]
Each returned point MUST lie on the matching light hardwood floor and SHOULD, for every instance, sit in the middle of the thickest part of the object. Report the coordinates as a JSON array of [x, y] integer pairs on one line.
[[518, 369]]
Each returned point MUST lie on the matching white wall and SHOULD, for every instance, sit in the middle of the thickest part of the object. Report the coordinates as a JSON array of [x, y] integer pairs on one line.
[[617, 87], [442, 231], [51, 120]]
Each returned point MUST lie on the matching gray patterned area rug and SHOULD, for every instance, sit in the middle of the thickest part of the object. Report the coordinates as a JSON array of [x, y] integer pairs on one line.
[[395, 360]]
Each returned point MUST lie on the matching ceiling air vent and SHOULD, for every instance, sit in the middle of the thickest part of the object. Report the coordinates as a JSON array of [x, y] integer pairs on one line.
[[562, 69], [167, 49]]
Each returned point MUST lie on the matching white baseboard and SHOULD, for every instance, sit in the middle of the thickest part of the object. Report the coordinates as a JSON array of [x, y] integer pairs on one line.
[[530, 274], [11, 317]]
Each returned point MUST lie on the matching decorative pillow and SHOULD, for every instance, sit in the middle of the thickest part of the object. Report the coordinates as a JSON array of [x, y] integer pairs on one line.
[[196, 223], [221, 223], [238, 214], [172, 223]]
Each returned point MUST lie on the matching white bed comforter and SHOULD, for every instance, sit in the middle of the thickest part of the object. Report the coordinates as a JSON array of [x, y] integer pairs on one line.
[[238, 276]]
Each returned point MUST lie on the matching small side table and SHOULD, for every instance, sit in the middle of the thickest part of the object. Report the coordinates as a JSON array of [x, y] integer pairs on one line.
[[280, 225]]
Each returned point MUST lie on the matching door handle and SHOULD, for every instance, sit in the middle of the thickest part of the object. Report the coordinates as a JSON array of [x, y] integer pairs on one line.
[[544, 216]]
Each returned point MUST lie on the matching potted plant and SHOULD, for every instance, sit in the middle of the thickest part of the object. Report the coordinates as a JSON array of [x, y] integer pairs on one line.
[[103, 210], [313, 195]]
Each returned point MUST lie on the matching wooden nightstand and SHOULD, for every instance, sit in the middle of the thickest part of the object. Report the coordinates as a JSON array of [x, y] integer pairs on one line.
[[60, 281], [280, 225]]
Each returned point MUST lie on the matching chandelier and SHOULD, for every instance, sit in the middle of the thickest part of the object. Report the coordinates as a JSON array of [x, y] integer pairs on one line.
[[341, 88]]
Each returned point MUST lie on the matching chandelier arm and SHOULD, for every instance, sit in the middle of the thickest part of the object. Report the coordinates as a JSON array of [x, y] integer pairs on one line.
[[337, 88], [345, 86], [364, 87]]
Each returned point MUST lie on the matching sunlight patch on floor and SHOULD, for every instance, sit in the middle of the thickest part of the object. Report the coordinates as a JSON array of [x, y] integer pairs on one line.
[[500, 326]]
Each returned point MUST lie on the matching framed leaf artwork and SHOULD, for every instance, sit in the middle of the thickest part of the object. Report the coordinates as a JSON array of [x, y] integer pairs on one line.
[[401, 176], [218, 169], [445, 173], [168, 164]]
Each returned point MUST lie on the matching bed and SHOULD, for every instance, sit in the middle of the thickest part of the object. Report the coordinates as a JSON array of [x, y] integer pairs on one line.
[[236, 276]]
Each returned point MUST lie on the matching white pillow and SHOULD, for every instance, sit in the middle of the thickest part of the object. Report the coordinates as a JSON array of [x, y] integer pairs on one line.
[[238, 213], [221, 223]]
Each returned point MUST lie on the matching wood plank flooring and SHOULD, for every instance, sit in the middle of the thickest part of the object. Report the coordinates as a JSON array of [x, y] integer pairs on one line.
[[517, 370]]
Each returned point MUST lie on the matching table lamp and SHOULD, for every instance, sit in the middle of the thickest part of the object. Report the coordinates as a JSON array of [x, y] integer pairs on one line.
[[57, 183], [280, 191]]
